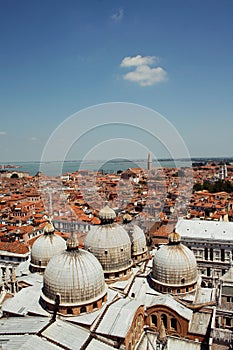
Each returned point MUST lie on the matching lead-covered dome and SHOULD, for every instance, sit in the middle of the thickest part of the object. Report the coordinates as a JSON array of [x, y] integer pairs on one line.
[[137, 237], [74, 280], [45, 247], [174, 267], [110, 244]]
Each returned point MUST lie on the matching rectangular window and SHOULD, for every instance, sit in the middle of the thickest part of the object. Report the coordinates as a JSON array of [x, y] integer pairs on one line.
[[222, 255]]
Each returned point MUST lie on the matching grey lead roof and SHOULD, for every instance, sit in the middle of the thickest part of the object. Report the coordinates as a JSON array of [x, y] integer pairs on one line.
[[23, 325], [98, 345], [203, 229], [24, 301], [118, 318], [199, 323], [28, 342], [166, 299], [205, 295], [66, 334]]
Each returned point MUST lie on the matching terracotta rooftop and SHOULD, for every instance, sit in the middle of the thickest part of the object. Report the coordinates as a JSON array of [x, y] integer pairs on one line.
[[14, 247]]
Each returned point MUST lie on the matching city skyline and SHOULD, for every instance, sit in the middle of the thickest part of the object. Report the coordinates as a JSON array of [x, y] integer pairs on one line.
[[59, 58]]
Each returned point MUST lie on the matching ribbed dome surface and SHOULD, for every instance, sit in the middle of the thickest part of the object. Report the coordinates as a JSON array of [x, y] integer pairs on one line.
[[174, 265], [111, 246], [45, 247], [137, 238], [107, 213], [76, 275]]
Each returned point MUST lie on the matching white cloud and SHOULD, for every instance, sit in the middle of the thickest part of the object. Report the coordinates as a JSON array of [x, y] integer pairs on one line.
[[2, 133], [143, 73], [139, 61], [33, 138], [146, 76], [117, 16]]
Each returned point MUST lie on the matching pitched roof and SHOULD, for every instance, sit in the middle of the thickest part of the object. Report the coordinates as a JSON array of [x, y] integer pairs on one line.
[[14, 247]]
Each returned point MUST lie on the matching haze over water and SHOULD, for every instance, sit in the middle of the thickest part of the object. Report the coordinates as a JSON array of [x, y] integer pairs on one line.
[[112, 166]]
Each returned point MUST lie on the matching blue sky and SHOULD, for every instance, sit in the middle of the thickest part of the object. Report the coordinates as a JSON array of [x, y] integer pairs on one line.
[[58, 57]]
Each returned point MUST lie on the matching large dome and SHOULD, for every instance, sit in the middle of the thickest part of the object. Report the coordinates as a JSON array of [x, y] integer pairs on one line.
[[174, 267], [45, 247], [110, 244], [77, 278]]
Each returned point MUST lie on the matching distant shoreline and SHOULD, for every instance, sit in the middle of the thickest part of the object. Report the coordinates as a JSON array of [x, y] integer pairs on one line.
[[193, 159], [56, 168]]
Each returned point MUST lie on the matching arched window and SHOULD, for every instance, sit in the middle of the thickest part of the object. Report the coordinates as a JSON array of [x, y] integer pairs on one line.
[[154, 320], [164, 318], [174, 323], [69, 311], [83, 309]]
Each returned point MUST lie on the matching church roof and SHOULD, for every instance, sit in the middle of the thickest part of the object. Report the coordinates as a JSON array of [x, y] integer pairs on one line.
[[118, 318], [170, 302]]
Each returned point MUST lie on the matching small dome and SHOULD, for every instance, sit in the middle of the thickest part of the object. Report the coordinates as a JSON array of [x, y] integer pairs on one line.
[[137, 237], [111, 246], [76, 276], [174, 264], [107, 214], [45, 247]]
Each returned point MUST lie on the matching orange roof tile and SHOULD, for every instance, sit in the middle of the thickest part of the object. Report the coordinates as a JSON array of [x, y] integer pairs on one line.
[[14, 247]]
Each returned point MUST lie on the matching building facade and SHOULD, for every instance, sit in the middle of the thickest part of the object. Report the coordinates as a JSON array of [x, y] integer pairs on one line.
[[212, 245]]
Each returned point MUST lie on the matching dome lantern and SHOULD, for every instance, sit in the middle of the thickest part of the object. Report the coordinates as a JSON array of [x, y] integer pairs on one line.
[[174, 238], [49, 229], [127, 218], [107, 215], [72, 242]]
